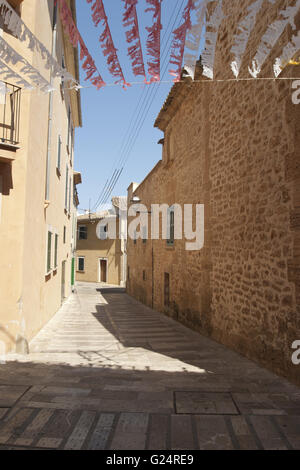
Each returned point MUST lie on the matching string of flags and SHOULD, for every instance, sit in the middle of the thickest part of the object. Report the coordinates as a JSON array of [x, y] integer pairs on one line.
[[18, 29], [201, 20]]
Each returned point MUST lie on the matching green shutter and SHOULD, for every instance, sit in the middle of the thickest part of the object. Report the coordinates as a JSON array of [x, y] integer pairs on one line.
[[49, 251], [73, 272]]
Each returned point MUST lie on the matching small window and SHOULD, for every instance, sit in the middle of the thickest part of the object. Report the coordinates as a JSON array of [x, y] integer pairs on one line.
[[128, 273], [59, 153], [55, 250], [49, 249], [167, 290], [171, 230], [66, 188], [70, 193], [81, 262], [144, 275], [69, 128], [82, 232], [65, 234]]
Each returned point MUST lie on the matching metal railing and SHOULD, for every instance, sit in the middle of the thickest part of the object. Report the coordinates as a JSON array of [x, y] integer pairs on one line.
[[10, 102]]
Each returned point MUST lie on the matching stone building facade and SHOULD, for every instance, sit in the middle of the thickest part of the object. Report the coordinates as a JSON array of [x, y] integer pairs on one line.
[[235, 147], [38, 194], [101, 245]]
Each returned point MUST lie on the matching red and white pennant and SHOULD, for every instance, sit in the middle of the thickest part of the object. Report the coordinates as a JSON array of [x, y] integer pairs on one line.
[[135, 51], [107, 42]]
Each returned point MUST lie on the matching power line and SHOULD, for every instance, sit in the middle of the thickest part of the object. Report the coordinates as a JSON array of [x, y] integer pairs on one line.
[[144, 108], [140, 121]]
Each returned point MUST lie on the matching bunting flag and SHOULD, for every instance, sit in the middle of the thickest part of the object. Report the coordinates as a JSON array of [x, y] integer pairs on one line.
[[135, 51], [107, 43], [271, 37], [192, 43], [10, 56], [288, 53], [211, 37], [75, 38], [177, 48], [153, 41], [241, 39], [18, 29], [9, 75]]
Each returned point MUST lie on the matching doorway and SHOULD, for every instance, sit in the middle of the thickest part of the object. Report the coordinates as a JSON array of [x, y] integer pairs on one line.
[[103, 270]]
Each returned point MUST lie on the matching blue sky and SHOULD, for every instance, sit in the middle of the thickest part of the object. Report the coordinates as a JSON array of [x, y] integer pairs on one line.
[[110, 117]]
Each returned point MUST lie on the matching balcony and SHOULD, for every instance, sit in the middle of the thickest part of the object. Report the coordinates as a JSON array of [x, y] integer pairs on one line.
[[10, 101]]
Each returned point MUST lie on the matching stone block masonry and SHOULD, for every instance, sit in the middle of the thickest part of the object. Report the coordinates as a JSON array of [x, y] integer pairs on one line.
[[234, 147]]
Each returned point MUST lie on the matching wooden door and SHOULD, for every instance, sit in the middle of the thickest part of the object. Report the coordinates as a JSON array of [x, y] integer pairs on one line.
[[103, 270]]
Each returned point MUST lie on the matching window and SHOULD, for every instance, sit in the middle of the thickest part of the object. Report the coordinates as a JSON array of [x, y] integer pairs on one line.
[[167, 290], [66, 188], [70, 191], [69, 128], [128, 273], [82, 232], [55, 250], [49, 248], [65, 234], [144, 275], [59, 152], [80, 265], [171, 232]]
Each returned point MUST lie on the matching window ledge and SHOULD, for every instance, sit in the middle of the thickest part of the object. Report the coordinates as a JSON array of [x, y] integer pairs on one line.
[[7, 152]]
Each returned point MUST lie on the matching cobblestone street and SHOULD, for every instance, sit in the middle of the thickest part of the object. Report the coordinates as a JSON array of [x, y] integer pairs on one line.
[[110, 373]]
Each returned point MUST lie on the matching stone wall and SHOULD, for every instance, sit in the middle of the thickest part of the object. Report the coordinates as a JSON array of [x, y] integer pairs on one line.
[[234, 147]]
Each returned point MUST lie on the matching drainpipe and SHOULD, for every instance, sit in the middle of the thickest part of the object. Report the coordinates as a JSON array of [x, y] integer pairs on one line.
[[50, 112]]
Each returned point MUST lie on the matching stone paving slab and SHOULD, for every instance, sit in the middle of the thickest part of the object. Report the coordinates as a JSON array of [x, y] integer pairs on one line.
[[109, 373]]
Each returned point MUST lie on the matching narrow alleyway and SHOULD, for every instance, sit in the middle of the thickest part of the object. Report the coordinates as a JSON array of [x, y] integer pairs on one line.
[[110, 373]]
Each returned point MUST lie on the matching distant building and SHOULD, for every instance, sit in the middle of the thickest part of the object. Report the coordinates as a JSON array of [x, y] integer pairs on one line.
[[234, 147], [38, 195], [99, 258]]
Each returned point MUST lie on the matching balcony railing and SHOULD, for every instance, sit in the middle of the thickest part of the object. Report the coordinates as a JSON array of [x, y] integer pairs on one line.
[[10, 101]]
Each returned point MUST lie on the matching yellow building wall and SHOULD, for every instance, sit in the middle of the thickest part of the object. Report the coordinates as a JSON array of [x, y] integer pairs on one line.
[[93, 250], [29, 298]]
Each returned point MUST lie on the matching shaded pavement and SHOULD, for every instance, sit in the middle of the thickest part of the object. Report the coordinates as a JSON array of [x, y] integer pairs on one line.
[[109, 373]]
